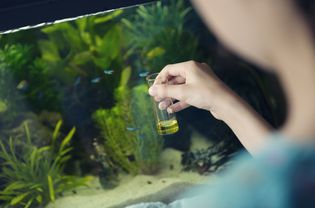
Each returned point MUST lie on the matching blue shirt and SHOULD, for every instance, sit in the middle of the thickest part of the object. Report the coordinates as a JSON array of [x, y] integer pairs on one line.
[[282, 176]]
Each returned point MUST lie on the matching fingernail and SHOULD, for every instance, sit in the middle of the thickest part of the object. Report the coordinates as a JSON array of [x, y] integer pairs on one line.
[[152, 90], [162, 105], [170, 110]]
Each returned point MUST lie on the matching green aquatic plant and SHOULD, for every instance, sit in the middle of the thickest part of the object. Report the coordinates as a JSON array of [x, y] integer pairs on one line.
[[24, 80], [149, 143], [130, 139], [51, 65], [119, 143], [85, 47], [156, 31], [14, 61], [83, 59], [33, 176], [3, 107], [13, 58]]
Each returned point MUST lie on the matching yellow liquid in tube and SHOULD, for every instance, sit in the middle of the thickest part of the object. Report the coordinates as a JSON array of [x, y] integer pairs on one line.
[[167, 127]]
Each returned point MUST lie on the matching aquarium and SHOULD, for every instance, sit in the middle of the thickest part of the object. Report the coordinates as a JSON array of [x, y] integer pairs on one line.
[[77, 126]]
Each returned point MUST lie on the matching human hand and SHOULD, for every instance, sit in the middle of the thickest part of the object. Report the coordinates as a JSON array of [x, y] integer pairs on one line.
[[191, 83]]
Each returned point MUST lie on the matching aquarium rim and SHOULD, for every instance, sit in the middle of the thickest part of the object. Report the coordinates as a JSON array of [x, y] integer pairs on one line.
[[16, 17]]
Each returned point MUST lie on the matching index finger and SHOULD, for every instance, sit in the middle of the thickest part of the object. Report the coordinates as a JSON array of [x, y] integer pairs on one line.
[[171, 70]]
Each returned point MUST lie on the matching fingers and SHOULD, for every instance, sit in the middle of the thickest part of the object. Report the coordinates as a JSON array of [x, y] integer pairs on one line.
[[177, 92], [177, 107], [165, 103], [176, 80], [174, 70], [172, 108]]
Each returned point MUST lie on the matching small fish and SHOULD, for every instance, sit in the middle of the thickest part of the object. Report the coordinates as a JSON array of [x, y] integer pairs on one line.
[[96, 80], [77, 81], [23, 85], [143, 74], [141, 136], [131, 128], [108, 72]]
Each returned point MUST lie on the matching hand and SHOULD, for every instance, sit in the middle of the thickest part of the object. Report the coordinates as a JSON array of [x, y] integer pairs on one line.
[[191, 83]]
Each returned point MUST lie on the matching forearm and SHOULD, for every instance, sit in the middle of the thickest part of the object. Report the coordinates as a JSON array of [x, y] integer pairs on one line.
[[250, 128]]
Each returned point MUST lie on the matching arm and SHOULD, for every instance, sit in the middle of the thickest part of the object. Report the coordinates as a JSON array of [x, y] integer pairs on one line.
[[249, 127], [195, 84]]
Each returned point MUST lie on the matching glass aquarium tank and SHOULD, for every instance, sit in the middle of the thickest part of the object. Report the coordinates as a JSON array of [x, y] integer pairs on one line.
[[77, 126]]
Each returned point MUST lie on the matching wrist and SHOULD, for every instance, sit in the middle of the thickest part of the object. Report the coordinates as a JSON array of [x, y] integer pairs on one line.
[[225, 103]]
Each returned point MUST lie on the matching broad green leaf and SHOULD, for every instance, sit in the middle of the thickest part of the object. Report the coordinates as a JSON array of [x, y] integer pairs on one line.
[[49, 51], [111, 43], [82, 58], [81, 23], [86, 37], [108, 17], [52, 28], [127, 23], [102, 62]]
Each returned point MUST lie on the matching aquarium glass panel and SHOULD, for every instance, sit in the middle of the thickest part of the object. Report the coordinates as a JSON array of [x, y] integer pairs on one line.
[[77, 126]]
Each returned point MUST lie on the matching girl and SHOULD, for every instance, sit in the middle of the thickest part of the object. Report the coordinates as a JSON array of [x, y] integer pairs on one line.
[[274, 35]]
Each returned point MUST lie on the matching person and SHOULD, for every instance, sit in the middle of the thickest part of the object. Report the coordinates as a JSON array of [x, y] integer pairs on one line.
[[276, 36]]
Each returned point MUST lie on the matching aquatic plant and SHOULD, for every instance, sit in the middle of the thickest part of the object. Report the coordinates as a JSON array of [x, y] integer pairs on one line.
[[55, 63], [23, 78], [149, 142], [13, 59], [33, 176], [119, 143], [207, 160], [95, 47], [156, 31], [84, 60], [127, 128]]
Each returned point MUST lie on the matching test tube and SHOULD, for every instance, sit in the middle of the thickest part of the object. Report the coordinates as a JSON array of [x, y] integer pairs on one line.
[[166, 123]]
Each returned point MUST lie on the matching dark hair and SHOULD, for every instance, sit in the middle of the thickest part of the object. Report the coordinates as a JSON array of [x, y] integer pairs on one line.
[[307, 7]]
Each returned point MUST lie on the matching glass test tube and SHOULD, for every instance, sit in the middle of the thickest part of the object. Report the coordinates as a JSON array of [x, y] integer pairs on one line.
[[166, 123]]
